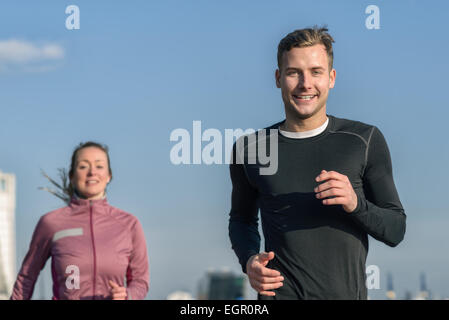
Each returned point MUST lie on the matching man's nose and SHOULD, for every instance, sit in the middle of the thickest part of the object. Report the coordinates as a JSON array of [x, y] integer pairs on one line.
[[305, 81]]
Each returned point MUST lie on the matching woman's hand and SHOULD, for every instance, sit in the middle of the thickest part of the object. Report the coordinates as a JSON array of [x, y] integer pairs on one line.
[[117, 292]]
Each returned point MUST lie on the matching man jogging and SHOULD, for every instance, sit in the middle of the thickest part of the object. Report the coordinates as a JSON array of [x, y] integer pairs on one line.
[[333, 186]]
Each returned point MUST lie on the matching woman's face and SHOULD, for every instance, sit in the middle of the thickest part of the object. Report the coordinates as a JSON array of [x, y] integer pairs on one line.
[[91, 173]]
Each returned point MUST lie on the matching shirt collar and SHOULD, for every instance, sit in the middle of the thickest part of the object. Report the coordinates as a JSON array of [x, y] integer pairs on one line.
[[305, 134]]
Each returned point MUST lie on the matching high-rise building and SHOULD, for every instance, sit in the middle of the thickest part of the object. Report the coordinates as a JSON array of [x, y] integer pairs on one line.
[[221, 285], [424, 293], [7, 234], [391, 295]]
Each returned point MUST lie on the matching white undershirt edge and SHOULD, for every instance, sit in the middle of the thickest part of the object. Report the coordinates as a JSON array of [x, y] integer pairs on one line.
[[305, 134]]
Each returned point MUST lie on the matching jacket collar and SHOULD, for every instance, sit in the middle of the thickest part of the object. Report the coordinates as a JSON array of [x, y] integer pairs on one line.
[[77, 202]]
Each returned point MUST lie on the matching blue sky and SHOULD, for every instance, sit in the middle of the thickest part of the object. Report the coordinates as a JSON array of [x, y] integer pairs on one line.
[[133, 73]]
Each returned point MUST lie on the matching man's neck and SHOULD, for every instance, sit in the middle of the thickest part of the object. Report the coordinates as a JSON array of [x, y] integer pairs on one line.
[[299, 125]]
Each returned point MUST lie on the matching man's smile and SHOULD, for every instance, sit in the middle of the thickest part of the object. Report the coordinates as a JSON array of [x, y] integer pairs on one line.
[[303, 97]]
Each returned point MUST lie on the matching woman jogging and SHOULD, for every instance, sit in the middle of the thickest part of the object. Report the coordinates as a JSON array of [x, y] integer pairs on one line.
[[93, 246]]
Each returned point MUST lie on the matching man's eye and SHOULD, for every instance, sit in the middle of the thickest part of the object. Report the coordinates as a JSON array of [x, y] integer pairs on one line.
[[316, 72], [99, 167]]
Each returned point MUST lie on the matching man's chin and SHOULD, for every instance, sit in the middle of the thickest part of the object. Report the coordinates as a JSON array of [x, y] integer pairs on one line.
[[303, 112]]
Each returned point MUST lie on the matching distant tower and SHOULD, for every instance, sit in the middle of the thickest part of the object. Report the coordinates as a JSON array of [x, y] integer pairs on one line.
[[7, 234], [423, 291], [422, 282], [391, 295]]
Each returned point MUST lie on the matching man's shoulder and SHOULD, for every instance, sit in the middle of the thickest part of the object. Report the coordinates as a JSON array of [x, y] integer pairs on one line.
[[274, 126], [253, 136], [361, 129]]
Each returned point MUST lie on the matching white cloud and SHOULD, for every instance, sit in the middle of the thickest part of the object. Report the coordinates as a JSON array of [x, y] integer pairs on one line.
[[22, 53]]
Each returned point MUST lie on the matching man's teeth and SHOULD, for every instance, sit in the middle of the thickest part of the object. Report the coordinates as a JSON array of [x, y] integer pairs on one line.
[[92, 182], [305, 97]]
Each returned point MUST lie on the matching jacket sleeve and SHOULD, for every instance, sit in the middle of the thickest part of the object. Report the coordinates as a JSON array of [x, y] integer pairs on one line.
[[34, 261], [138, 274], [243, 217], [379, 211]]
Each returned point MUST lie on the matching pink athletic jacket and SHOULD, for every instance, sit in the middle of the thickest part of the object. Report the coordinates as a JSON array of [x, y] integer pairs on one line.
[[90, 243]]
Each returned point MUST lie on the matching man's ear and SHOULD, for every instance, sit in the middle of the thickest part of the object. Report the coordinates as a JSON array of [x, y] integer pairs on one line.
[[332, 76], [277, 75]]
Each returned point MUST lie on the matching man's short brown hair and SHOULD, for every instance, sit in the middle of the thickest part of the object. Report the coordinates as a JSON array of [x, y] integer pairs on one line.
[[306, 38]]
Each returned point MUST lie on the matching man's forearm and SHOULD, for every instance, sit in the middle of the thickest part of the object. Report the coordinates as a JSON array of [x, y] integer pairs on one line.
[[384, 224], [245, 240]]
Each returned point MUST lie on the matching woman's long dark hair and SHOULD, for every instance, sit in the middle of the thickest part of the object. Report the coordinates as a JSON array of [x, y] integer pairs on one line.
[[65, 190]]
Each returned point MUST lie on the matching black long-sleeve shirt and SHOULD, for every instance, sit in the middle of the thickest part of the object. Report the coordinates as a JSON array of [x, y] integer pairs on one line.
[[320, 249]]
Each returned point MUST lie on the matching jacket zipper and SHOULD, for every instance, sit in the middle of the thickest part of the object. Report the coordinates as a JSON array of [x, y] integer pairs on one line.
[[93, 245]]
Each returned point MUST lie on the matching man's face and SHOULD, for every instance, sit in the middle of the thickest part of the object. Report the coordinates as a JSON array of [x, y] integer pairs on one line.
[[305, 81]]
